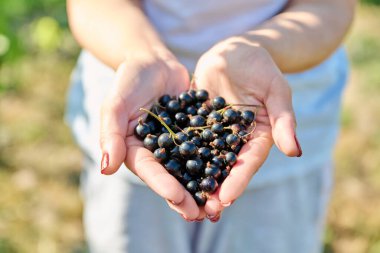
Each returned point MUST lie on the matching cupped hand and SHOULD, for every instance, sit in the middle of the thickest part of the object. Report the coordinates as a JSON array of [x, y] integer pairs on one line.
[[139, 82], [244, 73]]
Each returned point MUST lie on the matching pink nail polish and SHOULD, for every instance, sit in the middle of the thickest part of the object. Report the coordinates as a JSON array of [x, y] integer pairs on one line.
[[298, 146], [104, 163]]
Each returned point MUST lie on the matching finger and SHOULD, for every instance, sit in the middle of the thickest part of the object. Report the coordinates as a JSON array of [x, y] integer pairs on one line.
[[282, 119], [113, 129], [213, 207], [141, 162], [250, 159], [185, 208]]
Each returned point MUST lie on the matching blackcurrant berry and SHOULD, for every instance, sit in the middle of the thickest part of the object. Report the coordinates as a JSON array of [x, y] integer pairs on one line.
[[192, 186], [180, 137], [231, 158], [218, 144], [165, 141], [208, 184], [151, 142], [203, 111], [230, 116], [187, 149], [248, 117], [185, 98], [164, 100], [194, 167], [201, 95], [173, 167], [217, 128], [200, 198], [181, 119], [218, 103], [213, 170], [173, 106], [192, 110], [160, 155], [232, 140], [213, 117], [197, 121], [204, 153], [207, 135], [142, 130]]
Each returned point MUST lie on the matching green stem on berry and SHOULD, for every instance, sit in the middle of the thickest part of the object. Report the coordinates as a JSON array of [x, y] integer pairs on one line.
[[172, 134], [221, 111], [197, 128]]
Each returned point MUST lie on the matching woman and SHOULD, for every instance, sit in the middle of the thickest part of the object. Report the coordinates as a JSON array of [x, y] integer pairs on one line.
[[280, 54]]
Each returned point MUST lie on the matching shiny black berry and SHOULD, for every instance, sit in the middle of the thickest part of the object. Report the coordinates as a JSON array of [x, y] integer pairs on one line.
[[164, 100], [208, 184], [181, 119], [213, 117], [217, 128], [194, 167], [160, 155], [151, 142], [165, 141], [231, 158], [192, 110], [197, 121], [192, 186], [207, 135], [218, 103], [200, 198], [173, 106], [187, 149], [185, 98], [204, 153], [173, 167], [213, 170], [142, 130], [201, 95], [230, 116], [232, 140], [248, 117]]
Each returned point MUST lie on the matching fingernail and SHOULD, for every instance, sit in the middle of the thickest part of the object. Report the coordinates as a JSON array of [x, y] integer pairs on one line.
[[215, 219], [171, 201], [186, 219], [211, 217], [199, 220], [298, 146], [228, 204], [105, 162]]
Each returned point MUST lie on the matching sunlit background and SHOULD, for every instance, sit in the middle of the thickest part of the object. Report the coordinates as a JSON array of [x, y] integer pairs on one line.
[[40, 205]]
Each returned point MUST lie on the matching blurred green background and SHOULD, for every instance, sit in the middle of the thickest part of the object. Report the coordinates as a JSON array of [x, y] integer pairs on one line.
[[40, 206]]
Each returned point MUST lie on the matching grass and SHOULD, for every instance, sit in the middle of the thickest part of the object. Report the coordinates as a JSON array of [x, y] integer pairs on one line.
[[40, 207]]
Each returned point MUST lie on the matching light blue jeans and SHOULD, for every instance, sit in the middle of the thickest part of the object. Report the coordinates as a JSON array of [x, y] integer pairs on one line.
[[124, 217]]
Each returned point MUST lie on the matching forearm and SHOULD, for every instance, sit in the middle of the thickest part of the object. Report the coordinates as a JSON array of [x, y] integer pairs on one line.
[[113, 29], [305, 33]]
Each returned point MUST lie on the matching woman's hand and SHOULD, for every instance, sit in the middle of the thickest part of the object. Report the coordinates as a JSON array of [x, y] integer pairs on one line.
[[244, 73], [140, 80]]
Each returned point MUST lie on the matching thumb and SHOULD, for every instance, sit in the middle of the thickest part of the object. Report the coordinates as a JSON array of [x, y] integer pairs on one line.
[[281, 116], [113, 130]]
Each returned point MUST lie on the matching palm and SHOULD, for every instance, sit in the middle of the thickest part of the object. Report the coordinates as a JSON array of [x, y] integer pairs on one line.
[[139, 86], [261, 84]]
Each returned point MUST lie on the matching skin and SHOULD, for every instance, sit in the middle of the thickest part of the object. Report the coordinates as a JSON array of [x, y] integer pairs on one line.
[[243, 69]]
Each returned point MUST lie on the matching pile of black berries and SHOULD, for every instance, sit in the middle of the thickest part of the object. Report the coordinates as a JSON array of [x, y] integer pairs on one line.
[[196, 139]]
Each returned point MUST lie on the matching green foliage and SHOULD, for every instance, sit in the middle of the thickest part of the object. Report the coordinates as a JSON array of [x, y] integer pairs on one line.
[[377, 2], [30, 26]]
